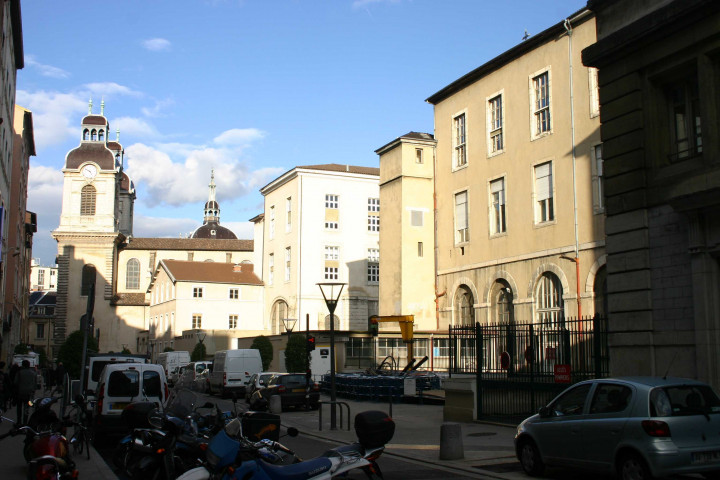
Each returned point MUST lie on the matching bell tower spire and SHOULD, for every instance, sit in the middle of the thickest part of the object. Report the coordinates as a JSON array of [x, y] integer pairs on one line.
[[212, 208]]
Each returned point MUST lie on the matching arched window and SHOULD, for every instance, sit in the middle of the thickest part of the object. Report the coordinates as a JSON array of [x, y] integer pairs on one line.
[[464, 314], [502, 302], [101, 135], [93, 135], [88, 279], [87, 200], [86, 134], [132, 274], [279, 311], [549, 302]]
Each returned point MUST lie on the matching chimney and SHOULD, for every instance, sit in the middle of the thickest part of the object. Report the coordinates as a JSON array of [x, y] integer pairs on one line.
[[243, 267]]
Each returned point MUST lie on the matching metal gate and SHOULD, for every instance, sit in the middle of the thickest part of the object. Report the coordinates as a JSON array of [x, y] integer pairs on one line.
[[523, 366]]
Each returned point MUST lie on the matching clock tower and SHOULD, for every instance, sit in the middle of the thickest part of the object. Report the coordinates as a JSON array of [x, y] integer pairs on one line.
[[96, 216]]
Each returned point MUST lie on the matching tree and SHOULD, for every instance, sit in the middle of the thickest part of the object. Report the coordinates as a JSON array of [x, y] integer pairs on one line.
[[198, 353], [169, 349], [263, 344], [296, 354], [126, 350], [70, 353]]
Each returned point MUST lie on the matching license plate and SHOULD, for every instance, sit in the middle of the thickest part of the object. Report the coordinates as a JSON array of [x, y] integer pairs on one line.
[[706, 457], [118, 406], [298, 390]]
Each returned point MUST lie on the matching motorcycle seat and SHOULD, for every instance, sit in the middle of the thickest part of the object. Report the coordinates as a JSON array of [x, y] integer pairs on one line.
[[297, 471]]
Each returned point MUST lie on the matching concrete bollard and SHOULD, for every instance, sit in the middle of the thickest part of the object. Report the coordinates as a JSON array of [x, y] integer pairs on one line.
[[275, 404], [451, 444]]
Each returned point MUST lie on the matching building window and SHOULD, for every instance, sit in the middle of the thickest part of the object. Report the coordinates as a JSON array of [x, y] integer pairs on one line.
[[287, 264], [331, 225], [373, 214], [88, 279], [196, 320], [373, 265], [331, 201], [132, 274], [272, 222], [278, 312], [288, 214], [232, 321], [549, 302], [40, 333], [332, 214], [497, 210], [197, 292], [461, 217], [420, 249], [271, 268], [544, 208], [597, 179], [541, 103], [684, 105], [495, 125], [358, 347], [418, 155], [234, 294], [594, 92], [416, 218], [332, 257], [87, 200], [459, 141], [331, 273]]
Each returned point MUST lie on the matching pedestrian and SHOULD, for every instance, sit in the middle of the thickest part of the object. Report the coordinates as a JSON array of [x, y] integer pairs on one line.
[[25, 383], [59, 376], [5, 387]]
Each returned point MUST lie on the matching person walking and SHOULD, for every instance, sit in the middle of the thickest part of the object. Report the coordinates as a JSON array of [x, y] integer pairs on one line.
[[59, 377], [25, 383]]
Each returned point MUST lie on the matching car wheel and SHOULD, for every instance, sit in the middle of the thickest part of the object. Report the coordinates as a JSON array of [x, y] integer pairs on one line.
[[530, 459], [632, 467]]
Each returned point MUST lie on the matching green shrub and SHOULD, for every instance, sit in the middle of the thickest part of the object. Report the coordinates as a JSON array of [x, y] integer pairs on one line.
[[263, 344]]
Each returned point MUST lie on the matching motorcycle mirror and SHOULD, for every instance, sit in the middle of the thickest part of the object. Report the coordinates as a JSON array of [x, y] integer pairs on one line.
[[292, 432]]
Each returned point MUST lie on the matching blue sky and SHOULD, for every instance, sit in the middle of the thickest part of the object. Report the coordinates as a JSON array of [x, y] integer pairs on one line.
[[251, 88]]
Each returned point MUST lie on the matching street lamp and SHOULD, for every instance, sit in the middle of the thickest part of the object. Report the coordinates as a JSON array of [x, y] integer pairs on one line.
[[331, 293], [289, 324]]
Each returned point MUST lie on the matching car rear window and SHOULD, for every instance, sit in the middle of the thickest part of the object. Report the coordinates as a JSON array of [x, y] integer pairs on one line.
[[293, 380], [151, 383], [683, 400], [124, 383]]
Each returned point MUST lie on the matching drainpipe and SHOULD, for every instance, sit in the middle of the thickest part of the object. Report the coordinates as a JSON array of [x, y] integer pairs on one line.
[[568, 29], [435, 239]]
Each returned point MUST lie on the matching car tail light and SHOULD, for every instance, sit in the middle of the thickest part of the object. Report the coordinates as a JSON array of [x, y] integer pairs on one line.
[[167, 392], [315, 387], [281, 388], [656, 428], [224, 378]]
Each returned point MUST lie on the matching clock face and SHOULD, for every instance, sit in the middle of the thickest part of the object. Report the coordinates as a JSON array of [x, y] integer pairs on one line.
[[89, 171]]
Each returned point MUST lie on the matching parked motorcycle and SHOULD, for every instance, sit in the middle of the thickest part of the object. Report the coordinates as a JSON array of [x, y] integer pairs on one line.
[[46, 451], [231, 456]]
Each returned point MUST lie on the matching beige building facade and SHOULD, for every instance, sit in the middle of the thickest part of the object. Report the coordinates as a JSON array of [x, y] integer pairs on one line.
[[518, 181]]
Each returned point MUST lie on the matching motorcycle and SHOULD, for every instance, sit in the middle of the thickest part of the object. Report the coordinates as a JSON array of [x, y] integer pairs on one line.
[[46, 451], [232, 456]]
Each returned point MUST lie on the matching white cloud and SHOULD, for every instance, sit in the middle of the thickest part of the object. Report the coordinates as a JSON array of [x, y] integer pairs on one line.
[[239, 136], [157, 109], [159, 227], [45, 186], [52, 114], [45, 70], [135, 126], [110, 88], [156, 44]]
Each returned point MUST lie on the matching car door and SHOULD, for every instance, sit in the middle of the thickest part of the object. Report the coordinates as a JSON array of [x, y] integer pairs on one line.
[[605, 422], [558, 435]]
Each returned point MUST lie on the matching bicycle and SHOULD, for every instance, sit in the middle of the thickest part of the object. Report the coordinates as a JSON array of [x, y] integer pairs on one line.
[[81, 436]]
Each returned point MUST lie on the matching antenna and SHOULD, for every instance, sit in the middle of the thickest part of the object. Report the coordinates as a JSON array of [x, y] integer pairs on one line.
[[668, 368], [526, 36]]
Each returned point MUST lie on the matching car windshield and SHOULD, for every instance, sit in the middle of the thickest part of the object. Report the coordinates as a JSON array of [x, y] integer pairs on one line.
[[182, 401], [683, 400], [264, 378]]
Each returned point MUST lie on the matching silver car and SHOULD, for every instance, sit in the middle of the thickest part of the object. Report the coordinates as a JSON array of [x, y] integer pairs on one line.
[[637, 427]]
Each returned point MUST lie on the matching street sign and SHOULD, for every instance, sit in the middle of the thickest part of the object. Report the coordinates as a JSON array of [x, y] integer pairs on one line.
[[562, 373]]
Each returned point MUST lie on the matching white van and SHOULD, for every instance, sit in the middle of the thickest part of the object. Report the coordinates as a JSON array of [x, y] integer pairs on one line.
[[121, 384], [171, 363], [232, 369]]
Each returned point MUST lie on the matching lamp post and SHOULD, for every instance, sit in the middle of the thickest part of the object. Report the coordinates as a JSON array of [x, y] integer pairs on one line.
[[289, 324], [331, 294]]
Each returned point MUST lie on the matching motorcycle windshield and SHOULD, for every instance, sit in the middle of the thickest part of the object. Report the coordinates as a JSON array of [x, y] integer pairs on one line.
[[182, 402]]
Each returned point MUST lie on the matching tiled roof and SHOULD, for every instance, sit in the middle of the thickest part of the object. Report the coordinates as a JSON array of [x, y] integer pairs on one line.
[[136, 243], [94, 120], [409, 135], [130, 299], [212, 272], [114, 146], [336, 167], [91, 152]]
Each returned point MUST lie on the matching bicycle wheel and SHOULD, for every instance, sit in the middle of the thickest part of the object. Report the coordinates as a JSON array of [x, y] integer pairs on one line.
[[77, 442]]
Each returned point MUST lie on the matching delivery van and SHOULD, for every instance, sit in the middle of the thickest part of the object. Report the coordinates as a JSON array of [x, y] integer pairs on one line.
[[171, 363], [232, 369]]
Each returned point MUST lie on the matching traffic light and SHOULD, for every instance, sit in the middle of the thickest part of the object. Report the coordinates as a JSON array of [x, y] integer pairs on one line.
[[310, 343], [373, 326]]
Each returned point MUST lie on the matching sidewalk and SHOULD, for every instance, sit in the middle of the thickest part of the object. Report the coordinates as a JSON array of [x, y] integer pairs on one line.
[[488, 448], [13, 466]]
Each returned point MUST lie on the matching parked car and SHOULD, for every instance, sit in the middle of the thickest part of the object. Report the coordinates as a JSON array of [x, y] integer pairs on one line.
[[257, 381], [232, 369], [291, 389], [120, 384], [202, 382], [638, 427], [191, 371]]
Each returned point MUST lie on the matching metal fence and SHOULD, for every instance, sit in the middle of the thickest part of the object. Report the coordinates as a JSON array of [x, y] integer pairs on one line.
[[520, 367]]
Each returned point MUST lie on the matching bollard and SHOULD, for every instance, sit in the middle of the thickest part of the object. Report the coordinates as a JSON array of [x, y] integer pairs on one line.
[[275, 404], [451, 444]]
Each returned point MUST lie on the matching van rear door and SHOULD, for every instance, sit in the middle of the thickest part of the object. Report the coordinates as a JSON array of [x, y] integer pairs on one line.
[[123, 386]]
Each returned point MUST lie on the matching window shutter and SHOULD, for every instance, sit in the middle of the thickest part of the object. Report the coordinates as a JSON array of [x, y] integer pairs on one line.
[[543, 181], [461, 210], [498, 186]]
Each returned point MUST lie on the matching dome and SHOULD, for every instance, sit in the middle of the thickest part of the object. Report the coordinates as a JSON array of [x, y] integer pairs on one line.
[[215, 231], [212, 205]]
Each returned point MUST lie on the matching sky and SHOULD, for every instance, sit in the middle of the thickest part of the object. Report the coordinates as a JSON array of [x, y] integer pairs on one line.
[[249, 88]]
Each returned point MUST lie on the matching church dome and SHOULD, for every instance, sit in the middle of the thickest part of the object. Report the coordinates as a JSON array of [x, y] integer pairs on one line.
[[214, 230], [94, 120], [212, 204]]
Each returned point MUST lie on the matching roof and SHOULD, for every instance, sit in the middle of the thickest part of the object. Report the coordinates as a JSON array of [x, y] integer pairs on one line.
[[91, 152], [94, 120], [214, 231], [509, 56], [130, 299], [257, 218], [211, 272], [336, 167], [114, 146], [136, 243], [125, 183], [425, 137]]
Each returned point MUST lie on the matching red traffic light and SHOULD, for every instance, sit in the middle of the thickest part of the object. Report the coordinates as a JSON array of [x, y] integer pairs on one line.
[[310, 343]]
